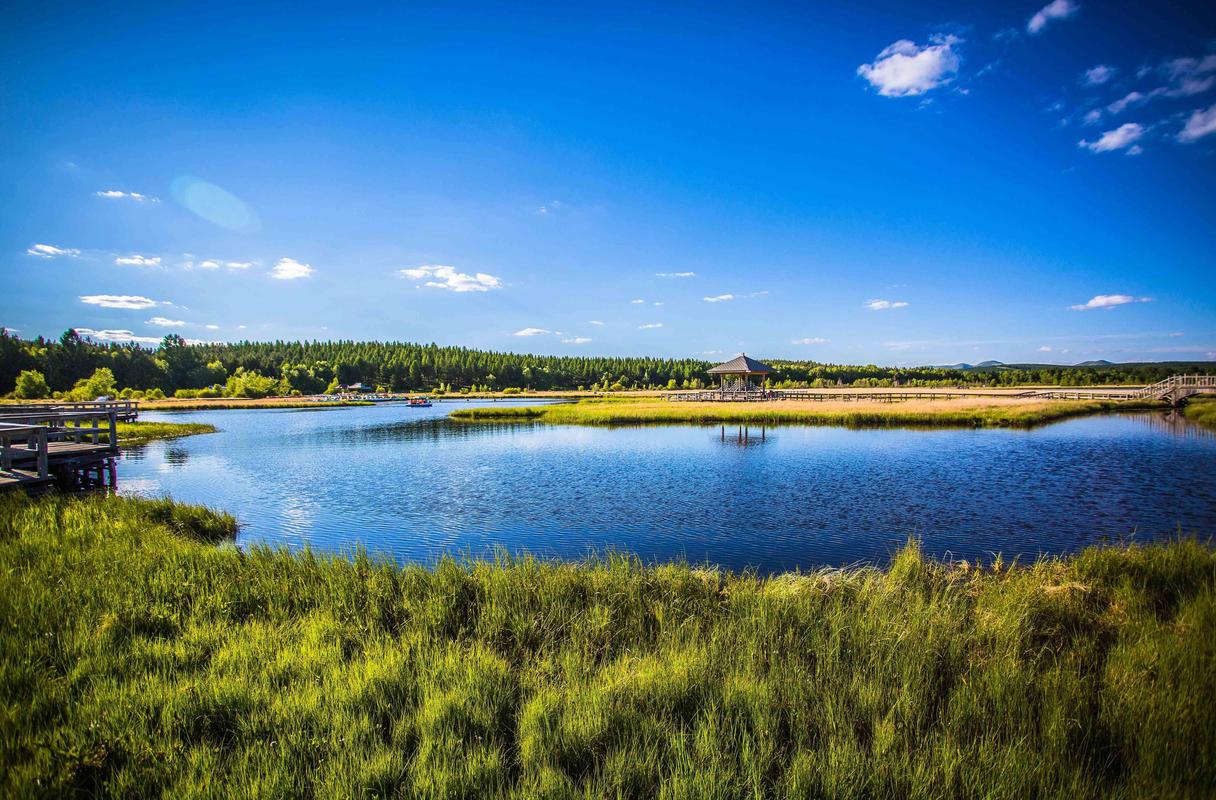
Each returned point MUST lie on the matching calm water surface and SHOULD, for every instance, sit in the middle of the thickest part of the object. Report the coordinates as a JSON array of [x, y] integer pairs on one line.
[[410, 484]]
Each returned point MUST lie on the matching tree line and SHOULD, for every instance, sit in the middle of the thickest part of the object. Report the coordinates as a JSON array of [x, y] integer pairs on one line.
[[71, 364]]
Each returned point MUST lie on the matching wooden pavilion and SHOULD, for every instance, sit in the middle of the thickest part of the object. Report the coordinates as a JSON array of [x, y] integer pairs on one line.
[[736, 375]]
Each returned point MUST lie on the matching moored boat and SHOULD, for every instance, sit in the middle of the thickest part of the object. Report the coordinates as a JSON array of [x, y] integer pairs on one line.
[[420, 402]]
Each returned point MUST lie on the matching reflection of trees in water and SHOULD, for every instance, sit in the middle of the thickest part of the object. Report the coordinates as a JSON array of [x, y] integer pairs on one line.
[[413, 430], [1174, 423]]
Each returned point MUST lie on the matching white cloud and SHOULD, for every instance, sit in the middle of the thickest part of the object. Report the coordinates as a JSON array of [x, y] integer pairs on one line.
[[137, 260], [531, 332], [1096, 76], [1057, 9], [650, 326], [116, 336], [657, 303], [128, 301], [1201, 123], [212, 327], [1125, 135], [576, 340], [721, 298], [288, 269], [594, 322], [51, 251], [238, 264], [809, 340], [1191, 75], [905, 69], [675, 274], [438, 276], [164, 322], [115, 194], [208, 264], [885, 305], [637, 302], [1092, 117], [1120, 105], [1045, 348], [1109, 301]]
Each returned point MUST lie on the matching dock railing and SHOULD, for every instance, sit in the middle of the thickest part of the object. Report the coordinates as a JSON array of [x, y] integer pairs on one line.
[[16, 443], [124, 410], [79, 427]]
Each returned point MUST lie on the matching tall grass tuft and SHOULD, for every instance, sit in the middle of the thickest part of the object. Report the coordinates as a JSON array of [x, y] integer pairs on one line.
[[138, 658]]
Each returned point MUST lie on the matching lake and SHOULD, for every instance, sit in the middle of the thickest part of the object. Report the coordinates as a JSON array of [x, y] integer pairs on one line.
[[409, 484]]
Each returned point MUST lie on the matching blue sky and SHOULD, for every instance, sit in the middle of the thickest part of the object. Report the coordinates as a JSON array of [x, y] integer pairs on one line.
[[898, 184]]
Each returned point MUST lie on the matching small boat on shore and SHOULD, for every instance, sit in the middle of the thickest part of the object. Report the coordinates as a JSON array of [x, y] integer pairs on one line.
[[420, 402]]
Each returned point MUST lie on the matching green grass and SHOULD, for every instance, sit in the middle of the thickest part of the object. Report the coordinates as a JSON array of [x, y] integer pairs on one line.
[[133, 433], [895, 414], [138, 658], [1201, 410]]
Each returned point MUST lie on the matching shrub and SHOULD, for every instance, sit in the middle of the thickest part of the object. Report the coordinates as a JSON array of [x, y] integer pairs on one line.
[[31, 385]]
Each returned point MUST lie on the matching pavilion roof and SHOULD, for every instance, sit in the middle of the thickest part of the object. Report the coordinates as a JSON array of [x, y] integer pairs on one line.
[[741, 365]]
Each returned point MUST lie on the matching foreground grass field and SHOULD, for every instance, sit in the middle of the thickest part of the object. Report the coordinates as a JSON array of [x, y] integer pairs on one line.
[[138, 657], [959, 412]]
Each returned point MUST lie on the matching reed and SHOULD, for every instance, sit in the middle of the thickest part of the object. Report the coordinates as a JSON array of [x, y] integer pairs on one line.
[[1201, 410], [138, 658], [995, 412]]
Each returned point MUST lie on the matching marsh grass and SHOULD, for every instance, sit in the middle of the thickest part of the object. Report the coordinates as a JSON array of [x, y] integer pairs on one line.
[[135, 433], [138, 658], [1201, 410], [995, 412]]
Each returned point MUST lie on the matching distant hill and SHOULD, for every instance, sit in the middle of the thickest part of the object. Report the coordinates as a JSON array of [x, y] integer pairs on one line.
[[990, 364], [1099, 363]]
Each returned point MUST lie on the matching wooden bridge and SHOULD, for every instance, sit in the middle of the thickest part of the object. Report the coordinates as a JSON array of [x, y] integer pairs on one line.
[[68, 445], [1174, 390]]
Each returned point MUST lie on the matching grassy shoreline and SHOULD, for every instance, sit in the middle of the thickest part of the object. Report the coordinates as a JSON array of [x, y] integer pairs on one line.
[[999, 412], [138, 658], [137, 433], [231, 403]]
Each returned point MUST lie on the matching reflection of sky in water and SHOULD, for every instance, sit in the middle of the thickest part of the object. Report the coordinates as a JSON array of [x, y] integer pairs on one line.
[[406, 482]]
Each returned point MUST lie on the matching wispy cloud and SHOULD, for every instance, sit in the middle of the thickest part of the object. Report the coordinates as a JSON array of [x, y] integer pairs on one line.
[[1125, 136], [809, 340], [906, 69], [532, 332], [165, 322], [115, 194], [639, 301], [650, 326], [136, 260], [123, 336], [288, 269], [1200, 124], [238, 264], [1096, 76], [51, 251], [675, 274], [1121, 105], [1057, 9], [1109, 301], [127, 301], [885, 305], [595, 322], [208, 264], [576, 340], [1045, 349], [439, 276], [719, 298]]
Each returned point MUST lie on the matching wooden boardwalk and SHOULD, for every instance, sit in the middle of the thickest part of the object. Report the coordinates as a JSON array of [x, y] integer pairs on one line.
[[1173, 389], [68, 446]]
